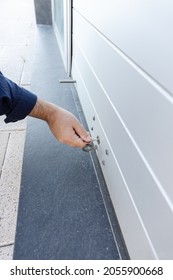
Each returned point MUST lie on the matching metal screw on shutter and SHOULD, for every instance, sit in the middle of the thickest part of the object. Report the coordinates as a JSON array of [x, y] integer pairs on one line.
[[107, 152]]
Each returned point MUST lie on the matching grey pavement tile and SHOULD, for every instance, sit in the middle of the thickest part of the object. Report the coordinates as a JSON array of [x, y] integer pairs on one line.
[[26, 74], [19, 16], [12, 69], [4, 136], [6, 253], [20, 125], [16, 63], [11, 53], [17, 29], [21, 37], [31, 35], [11, 38], [10, 186], [21, 11]]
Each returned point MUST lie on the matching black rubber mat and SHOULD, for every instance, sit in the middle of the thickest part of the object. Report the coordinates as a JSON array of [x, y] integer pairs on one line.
[[61, 210]]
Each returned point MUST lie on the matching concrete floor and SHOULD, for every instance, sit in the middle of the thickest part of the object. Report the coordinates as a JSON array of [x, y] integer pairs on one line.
[[17, 31]]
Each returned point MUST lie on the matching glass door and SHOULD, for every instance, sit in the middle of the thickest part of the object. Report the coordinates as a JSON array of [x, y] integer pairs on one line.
[[62, 26]]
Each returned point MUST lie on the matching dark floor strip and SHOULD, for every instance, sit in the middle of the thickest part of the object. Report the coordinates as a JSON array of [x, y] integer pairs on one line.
[[61, 210]]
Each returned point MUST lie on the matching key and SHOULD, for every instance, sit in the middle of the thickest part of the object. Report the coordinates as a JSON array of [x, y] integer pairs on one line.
[[89, 147]]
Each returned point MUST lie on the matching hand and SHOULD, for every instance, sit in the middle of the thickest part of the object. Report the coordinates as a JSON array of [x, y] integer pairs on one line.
[[63, 124], [67, 128]]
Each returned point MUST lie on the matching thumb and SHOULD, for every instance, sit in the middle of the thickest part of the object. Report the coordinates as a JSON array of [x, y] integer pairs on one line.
[[82, 133]]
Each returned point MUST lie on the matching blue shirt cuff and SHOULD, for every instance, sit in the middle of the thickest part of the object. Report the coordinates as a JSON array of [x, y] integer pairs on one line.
[[23, 107]]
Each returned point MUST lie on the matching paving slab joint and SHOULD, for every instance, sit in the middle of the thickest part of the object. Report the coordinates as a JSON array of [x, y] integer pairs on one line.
[[6, 245], [4, 156]]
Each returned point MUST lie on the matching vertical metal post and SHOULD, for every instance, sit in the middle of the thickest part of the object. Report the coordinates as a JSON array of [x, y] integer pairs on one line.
[[69, 39]]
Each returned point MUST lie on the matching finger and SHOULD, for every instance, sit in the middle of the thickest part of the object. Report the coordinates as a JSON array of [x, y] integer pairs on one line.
[[82, 133], [71, 138], [76, 141]]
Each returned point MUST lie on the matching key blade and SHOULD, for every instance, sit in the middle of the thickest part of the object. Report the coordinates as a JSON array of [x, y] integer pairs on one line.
[[89, 147]]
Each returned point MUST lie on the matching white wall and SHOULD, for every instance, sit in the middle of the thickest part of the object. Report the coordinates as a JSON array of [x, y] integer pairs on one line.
[[123, 64]]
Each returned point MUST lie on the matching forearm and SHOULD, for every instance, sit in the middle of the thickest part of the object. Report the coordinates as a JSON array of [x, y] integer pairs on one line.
[[43, 110], [15, 102]]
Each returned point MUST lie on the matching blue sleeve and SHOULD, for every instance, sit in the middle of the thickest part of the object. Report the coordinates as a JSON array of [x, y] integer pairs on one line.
[[15, 102]]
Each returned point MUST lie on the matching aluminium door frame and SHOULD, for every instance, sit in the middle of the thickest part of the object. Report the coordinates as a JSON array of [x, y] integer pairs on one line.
[[66, 51]]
